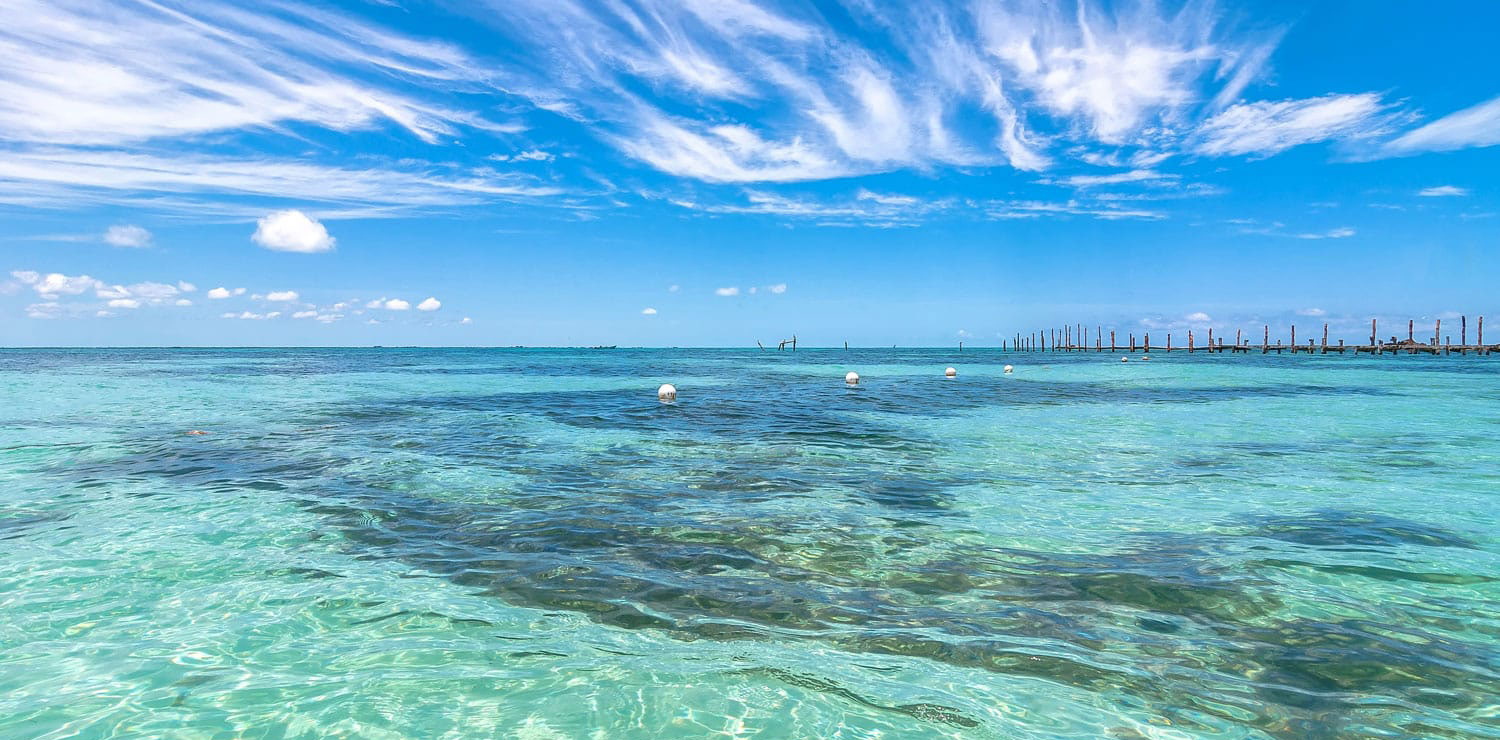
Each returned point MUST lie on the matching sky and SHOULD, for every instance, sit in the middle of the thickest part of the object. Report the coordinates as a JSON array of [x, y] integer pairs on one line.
[[722, 172]]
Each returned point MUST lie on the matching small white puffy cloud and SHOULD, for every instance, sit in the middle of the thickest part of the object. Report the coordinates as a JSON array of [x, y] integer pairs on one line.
[[54, 284], [726, 292], [305, 315], [186, 286], [281, 296], [673, 288], [375, 303], [431, 304], [218, 294], [396, 304], [184, 302], [154, 292], [103, 314], [1311, 312], [124, 303], [1443, 191], [467, 320], [1198, 316], [778, 288], [648, 311], [273, 314], [292, 231], [127, 235]]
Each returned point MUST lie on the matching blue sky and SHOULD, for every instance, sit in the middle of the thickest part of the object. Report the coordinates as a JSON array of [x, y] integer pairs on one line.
[[716, 172]]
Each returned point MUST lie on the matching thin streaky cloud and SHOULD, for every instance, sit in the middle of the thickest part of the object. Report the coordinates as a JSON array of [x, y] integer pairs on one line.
[[1442, 191], [1478, 126]]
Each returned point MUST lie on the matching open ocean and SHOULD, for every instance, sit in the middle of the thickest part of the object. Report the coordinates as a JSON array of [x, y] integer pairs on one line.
[[417, 543]]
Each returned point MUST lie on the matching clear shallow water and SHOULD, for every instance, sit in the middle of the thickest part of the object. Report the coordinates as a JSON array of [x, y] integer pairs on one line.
[[503, 543]]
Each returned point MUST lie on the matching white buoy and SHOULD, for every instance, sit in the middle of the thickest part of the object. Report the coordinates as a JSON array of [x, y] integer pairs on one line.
[[667, 393], [950, 372], [1124, 359], [1145, 357], [1010, 369], [852, 378]]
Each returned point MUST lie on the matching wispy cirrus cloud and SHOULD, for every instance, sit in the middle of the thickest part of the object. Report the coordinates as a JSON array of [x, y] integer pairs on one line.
[[1443, 191], [53, 177], [673, 85], [1262, 129], [81, 72], [195, 108], [889, 210], [1477, 126], [1342, 232], [1277, 228], [1116, 178]]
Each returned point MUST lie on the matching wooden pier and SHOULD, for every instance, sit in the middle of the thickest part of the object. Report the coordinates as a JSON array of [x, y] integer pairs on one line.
[[1076, 339]]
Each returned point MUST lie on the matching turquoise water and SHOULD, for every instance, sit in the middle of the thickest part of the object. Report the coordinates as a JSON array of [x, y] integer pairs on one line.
[[526, 544]]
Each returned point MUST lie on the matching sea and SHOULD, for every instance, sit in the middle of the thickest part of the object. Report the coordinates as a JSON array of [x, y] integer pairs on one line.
[[527, 543]]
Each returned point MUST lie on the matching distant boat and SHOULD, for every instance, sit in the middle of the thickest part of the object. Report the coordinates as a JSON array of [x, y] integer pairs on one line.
[[603, 347]]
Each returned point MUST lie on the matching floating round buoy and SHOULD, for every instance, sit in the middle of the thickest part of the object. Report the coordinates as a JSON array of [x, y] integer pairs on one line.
[[852, 378], [1009, 369], [950, 372], [196, 433], [667, 393], [1145, 358], [1124, 359]]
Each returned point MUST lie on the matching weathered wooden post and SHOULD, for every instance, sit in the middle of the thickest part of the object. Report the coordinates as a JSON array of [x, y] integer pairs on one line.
[[1169, 341], [1482, 350], [1237, 339], [1409, 337], [1437, 331], [1132, 342], [1325, 338], [1294, 339], [1265, 344], [1463, 332], [1098, 338], [1372, 336], [1148, 341], [1111, 341], [1190, 340]]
